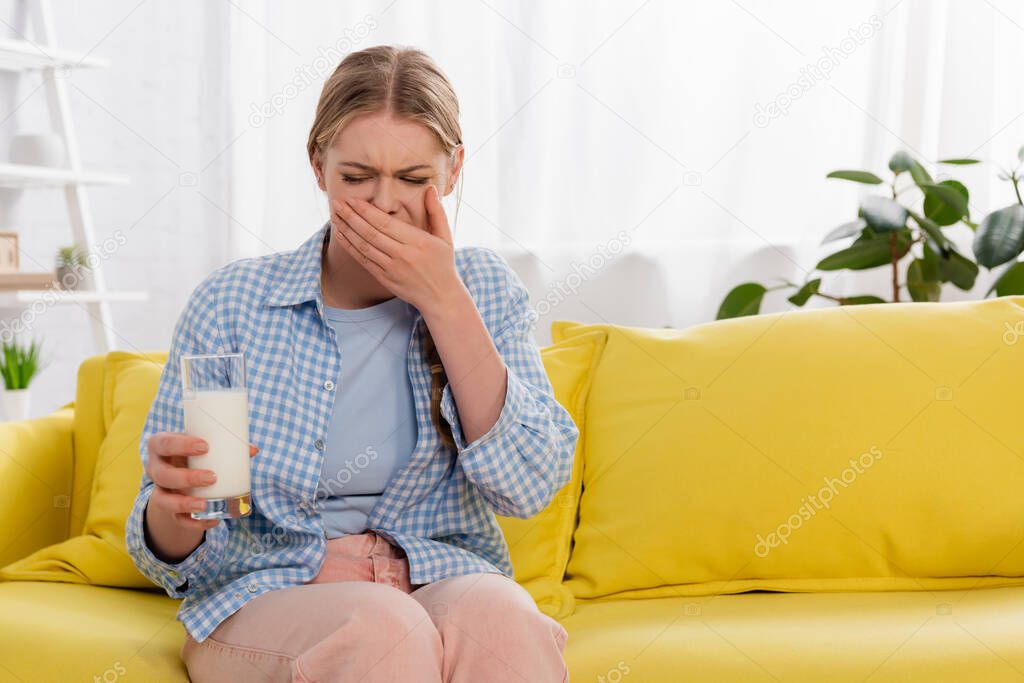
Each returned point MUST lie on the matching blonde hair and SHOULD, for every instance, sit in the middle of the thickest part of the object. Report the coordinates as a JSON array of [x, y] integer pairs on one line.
[[407, 83]]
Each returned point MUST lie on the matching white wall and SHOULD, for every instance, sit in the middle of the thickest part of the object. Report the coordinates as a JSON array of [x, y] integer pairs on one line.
[[154, 114], [558, 174]]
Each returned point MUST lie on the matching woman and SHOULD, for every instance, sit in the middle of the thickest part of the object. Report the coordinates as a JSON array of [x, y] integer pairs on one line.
[[371, 552]]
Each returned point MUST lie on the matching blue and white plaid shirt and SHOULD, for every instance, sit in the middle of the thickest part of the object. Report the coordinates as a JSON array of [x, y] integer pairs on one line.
[[439, 507]]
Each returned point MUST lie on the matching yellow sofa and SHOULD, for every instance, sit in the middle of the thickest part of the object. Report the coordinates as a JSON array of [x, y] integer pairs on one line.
[[827, 494]]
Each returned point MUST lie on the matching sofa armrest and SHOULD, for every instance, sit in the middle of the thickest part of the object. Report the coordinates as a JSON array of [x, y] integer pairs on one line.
[[36, 467]]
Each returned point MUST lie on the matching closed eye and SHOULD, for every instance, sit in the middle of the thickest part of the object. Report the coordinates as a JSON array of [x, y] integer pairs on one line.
[[353, 180]]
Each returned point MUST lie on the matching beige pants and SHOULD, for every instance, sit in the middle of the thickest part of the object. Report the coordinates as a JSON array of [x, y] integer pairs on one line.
[[360, 619]]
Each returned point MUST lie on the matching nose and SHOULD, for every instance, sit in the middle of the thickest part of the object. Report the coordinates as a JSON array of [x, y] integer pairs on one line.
[[385, 197]]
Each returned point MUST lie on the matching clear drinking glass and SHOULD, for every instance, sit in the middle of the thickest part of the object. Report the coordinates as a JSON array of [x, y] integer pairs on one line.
[[216, 403]]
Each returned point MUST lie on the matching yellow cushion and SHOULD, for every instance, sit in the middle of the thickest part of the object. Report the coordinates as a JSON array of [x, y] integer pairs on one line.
[[98, 555], [67, 632], [711, 453], [88, 434], [939, 637], [35, 467], [539, 546]]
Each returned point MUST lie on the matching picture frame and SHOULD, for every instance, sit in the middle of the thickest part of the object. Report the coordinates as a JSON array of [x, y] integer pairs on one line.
[[9, 252]]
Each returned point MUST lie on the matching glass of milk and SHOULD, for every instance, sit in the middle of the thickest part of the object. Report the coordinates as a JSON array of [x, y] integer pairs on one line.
[[216, 403]]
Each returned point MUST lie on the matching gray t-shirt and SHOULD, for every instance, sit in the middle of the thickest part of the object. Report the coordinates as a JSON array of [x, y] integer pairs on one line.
[[372, 430]]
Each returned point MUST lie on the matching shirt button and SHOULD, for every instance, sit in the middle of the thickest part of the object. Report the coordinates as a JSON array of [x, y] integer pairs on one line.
[[252, 587], [328, 385], [319, 443]]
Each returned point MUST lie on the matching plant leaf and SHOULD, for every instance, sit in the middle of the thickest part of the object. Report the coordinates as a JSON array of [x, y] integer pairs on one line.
[[920, 286], [930, 263], [918, 173], [959, 162], [901, 161], [865, 177], [945, 202], [868, 253], [845, 230], [743, 300], [18, 363], [958, 269], [809, 289], [883, 214], [865, 299], [933, 233], [1010, 282], [1000, 236]]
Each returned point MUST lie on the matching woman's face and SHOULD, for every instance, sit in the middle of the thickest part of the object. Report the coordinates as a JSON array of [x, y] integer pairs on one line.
[[388, 162]]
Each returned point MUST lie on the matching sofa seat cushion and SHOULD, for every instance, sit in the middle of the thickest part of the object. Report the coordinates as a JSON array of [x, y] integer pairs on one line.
[[76, 632], [956, 635]]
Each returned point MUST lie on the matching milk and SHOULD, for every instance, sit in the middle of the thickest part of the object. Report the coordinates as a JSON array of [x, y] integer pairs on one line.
[[221, 418]]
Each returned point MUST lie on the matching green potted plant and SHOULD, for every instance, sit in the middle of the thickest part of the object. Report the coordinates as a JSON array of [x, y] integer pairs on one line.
[[891, 231], [71, 266], [19, 364]]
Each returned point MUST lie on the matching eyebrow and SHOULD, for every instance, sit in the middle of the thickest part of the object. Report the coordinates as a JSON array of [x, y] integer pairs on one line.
[[371, 168]]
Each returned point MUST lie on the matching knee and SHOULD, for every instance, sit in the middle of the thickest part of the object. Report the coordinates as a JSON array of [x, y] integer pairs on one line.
[[384, 611], [377, 629], [496, 605]]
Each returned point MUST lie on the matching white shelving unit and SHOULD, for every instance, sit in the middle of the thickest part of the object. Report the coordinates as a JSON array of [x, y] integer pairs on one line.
[[19, 55], [19, 297], [43, 56], [20, 175]]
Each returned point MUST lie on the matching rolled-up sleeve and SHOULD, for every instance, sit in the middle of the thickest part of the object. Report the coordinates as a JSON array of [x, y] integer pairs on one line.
[[196, 331], [522, 461]]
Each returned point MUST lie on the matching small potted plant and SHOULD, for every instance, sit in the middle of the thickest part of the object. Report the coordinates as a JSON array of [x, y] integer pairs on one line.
[[18, 365], [71, 266]]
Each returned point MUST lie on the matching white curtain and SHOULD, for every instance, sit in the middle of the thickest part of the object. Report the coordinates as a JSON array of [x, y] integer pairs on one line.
[[635, 160]]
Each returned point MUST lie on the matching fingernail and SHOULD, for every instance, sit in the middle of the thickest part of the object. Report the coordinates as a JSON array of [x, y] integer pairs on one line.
[[201, 448], [208, 479]]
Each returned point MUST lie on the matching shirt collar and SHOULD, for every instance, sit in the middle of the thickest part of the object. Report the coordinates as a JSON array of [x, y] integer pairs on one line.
[[299, 279], [299, 276]]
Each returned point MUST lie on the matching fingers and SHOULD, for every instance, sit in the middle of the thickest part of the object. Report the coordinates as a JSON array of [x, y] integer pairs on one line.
[[186, 520], [437, 219], [169, 469], [172, 443], [368, 240], [375, 226], [176, 503], [168, 476]]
